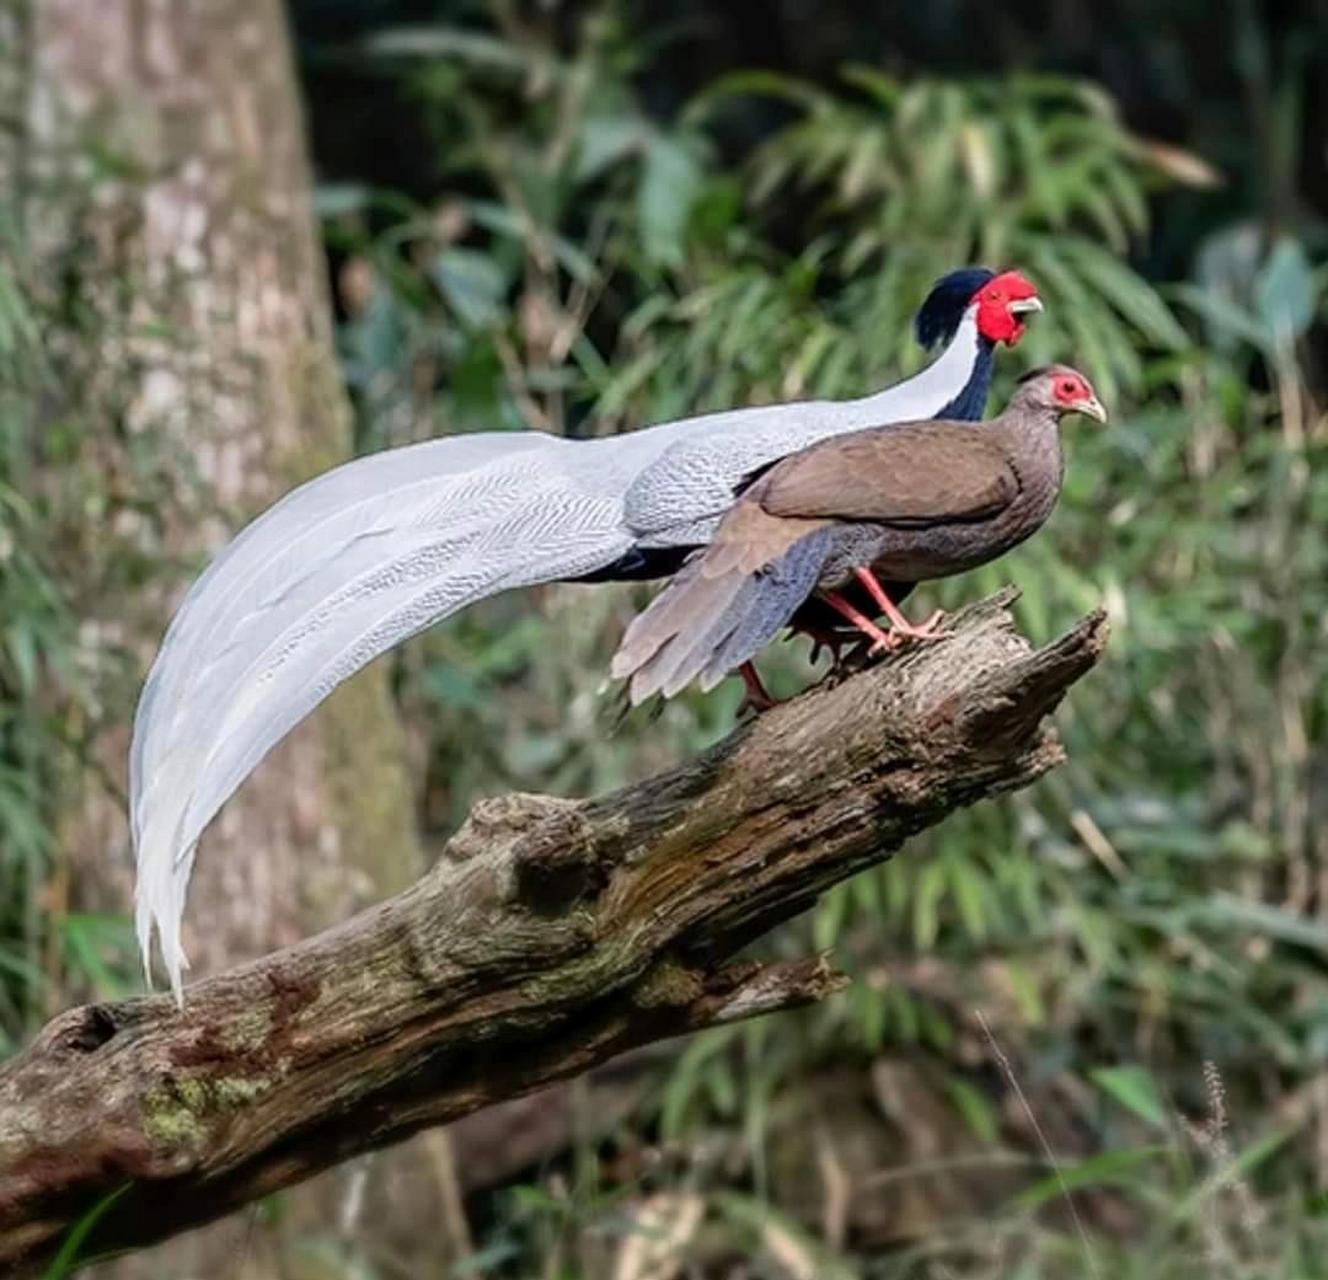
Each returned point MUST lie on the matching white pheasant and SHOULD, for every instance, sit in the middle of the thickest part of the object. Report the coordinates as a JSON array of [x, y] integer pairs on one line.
[[361, 558]]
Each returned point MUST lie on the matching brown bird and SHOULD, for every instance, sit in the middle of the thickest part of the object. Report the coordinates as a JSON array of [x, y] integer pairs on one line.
[[906, 502]]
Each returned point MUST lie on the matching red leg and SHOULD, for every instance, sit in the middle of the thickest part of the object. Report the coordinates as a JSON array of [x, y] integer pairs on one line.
[[758, 697], [880, 640], [902, 626]]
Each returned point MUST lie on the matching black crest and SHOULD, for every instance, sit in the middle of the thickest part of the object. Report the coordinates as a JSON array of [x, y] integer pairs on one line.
[[940, 314]]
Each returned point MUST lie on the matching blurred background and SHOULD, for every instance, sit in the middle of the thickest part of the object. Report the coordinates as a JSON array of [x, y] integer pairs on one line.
[[1088, 1029]]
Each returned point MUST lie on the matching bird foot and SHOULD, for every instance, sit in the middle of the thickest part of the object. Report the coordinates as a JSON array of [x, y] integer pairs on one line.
[[900, 627], [923, 631]]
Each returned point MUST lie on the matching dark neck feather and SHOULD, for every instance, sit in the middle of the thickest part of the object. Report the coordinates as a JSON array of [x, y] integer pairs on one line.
[[969, 404]]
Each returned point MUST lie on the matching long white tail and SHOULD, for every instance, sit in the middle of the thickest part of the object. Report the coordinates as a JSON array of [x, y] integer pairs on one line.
[[341, 570]]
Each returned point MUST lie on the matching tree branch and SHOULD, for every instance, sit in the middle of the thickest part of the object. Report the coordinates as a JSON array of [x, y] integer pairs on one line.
[[551, 935]]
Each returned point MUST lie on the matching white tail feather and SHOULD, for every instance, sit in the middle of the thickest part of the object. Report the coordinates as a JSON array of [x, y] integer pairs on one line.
[[315, 590]]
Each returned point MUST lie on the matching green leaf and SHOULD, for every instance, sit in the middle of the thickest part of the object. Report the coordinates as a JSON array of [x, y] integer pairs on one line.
[[769, 84], [604, 141], [1113, 1168], [1132, 296], [1285, 291], [1233, 1171], [971, 891], [830, 915], [670, 183], [483, 1260], [468, 46], [473, 284], [1133, 1088], [23, 651], [66, 1259], [1228, 320], [927, 896], [1225, 910], [336, 199], [974, 1106]]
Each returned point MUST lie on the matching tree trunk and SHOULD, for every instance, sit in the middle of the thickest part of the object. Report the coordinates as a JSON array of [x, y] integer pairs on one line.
[[167, 187]]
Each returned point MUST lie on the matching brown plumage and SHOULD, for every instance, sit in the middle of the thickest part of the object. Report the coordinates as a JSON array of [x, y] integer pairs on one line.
[[909, 502]]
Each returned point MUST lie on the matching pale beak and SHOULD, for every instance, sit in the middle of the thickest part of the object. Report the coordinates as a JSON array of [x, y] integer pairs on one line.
[[1092, 408], [1022, 305]]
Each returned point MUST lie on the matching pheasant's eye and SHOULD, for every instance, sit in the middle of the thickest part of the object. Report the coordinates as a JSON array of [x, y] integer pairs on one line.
[[996, 296], [1068, 390]]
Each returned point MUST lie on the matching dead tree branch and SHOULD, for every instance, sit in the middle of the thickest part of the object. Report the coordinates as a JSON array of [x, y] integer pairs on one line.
[[550, 936]]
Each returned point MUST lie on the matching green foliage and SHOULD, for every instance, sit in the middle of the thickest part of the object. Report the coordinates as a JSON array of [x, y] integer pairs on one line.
[[48, 503], [1134, 1088], [1145, 908], [35, 640], [68, 1258], [912, 178]]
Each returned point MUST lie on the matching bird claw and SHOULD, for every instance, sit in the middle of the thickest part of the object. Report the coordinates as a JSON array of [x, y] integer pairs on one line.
[[756, 697], [827, 640], [868, 647], [924, 631]]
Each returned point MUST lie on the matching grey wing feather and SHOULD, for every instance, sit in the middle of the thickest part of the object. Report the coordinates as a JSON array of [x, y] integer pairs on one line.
[[779, 590], [706, 626], [682, 652]]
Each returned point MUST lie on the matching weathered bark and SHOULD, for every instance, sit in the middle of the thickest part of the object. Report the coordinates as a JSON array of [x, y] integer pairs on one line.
[[198, 359], [552, 935]]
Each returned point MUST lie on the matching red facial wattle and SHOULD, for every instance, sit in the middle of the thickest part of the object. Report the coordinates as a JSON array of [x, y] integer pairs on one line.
[[1073, 394], [1070, 391], [1002, 302]]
